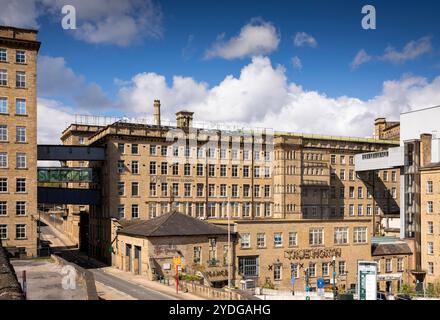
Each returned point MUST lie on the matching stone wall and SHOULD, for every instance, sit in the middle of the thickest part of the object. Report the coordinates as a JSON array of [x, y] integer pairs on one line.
[[10, 288]]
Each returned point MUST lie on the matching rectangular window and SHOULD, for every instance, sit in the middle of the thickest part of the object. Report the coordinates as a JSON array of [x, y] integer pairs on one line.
[[153, 149], [20, 79], [342, 267], [3, 159], [267, 190], [430, 207], [430, 247], [187, 169], [3, 232], [248, 266], [429, 187], [20, 185], [20, 56], [400, 266], [135, 189], [234, 171], [430, 267], [430, 227], [234, 190], [293, 239], [245, 241], [3, 208], [200, 188], [135, 167], [20, 231], [278, 272], [152, 189], [20, 208], [20, 107], [341, 235], [134, 149], [360, 235], [121, 148], [164, 168], [175, 169], [152, 210], [197, 255], [121, 188], [211, 170], [3, 184], [164, 189], [222, 170], [153, 168], [245, 171], [175, 189], [3, 77], [256, 191], [20, 134], [325, 269], [3, 55], [278, 240], [388, 265], [135, 211], [200, 170], [223, 190], [175, 151], [294, 270], [261, 240], [121, 166], [3, 105], [164, 151], [187, 191], [316, 236], [257, 172], [312, 270], [121, 211]]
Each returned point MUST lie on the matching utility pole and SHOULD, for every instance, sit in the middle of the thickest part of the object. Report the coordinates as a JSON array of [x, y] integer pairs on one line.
[[334, 277]]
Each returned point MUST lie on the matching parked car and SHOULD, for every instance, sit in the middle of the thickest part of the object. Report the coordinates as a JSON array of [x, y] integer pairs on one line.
[[381, 296], [402, 297]]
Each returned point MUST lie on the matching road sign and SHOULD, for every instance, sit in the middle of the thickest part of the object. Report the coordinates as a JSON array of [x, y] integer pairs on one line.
[[367, 279], [320, 283], [177, 261]]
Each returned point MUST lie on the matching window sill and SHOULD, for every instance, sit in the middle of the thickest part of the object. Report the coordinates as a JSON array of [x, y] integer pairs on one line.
[[22, 169], [4, 114], [21, 115], [21, 239]]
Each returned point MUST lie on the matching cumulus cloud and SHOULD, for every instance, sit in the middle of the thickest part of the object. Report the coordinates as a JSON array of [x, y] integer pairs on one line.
[[98, 21], [296, 63], [22, 13], [303, 39], [361, 57], [262, 96], [256, 38], [411, 51], [58, 80], [49, 131]]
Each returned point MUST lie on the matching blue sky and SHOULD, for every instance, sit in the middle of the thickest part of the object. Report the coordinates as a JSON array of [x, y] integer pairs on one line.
[[186, 30]]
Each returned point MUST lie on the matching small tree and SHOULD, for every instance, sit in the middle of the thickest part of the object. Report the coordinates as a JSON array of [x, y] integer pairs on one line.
[[407, 289], [433, 289]]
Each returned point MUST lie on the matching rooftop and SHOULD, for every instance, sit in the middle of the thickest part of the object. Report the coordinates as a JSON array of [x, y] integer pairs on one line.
[[172, 224], [382, 246]]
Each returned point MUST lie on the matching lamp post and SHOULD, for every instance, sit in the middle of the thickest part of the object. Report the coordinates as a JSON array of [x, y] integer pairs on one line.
[[334, 277]]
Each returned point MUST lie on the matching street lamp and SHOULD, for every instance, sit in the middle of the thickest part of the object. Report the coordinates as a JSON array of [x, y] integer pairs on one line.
[[334, 277]]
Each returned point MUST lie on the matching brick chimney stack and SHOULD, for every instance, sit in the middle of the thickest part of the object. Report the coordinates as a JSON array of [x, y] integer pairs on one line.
[[156, 112]]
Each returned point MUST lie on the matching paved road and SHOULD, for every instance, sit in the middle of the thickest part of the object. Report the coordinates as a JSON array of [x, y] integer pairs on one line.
[[127, 287]]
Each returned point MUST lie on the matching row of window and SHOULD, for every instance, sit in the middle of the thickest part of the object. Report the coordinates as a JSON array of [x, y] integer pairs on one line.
[[201, 152], [389, 265], [20, 55], [360, 210], [430, 206], [342, 159], [197, 209], [430, 187], [20, 232], [20, 106], [173, 189], [20, 133], [316, 237], [20, 160], [20, 78], [20, 208], [20, 185], [164, 167]]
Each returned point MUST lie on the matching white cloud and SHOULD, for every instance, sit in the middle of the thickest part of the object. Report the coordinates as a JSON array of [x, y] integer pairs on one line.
[[262, 96], [256, 38], [361, 57], [53, 118], [22, 14], [410, 51], [58, 80], [296, 63], [98, 21], [302, 39]]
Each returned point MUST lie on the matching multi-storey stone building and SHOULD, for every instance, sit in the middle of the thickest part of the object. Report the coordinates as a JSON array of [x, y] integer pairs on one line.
[[282, 180], [18, 139]]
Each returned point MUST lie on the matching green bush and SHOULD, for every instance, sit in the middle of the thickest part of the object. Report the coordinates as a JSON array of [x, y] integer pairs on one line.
[[407, 289], [190, 277]]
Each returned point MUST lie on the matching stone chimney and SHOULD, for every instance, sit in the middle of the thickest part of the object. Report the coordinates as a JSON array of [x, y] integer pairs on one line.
[[156, 112], [425, 149], [184, 119], [379, 126]]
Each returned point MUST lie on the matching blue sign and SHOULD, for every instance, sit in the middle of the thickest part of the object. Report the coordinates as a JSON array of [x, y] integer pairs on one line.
[[320, 283], [307, 288], [334, 273], [292, 281]]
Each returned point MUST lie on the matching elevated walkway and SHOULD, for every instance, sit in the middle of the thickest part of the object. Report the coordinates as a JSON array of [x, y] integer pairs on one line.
[[66, 175]]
